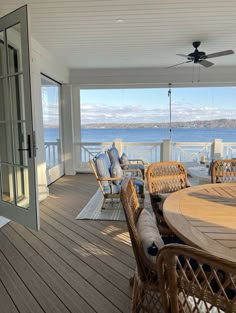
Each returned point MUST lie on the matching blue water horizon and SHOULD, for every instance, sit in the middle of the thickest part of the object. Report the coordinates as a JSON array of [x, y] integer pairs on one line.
[[158, 134], [149, 134]]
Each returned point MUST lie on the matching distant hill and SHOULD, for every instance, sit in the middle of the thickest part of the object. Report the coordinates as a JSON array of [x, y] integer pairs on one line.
[[221, 123]]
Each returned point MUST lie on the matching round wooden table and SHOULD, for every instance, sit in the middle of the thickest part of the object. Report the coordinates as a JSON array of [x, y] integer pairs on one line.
[[204, 216]]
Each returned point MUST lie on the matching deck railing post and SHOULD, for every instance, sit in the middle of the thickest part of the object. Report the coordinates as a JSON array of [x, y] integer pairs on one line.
[[118, 144], [166, 150], [217, 149]]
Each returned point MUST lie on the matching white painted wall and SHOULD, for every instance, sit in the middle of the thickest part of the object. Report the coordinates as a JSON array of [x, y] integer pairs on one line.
[[42, 61], [153, 77]]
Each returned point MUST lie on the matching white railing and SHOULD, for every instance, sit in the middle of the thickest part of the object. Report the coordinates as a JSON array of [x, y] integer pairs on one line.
[[84, 151], [52, 153], [191, 151], [148, 151], [229, 150]]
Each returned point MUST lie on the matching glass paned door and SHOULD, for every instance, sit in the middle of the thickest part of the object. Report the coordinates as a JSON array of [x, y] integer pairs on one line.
[[18, 200], [51, 103]]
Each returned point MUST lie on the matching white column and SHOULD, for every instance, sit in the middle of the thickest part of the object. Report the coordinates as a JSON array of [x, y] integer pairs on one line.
[[217, 149], [119, 146], [67, 127], [166, 150], [76, 124], [38, 127]]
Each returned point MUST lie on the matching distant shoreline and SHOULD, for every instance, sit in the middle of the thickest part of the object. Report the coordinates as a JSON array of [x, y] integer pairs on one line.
[[220, 123]]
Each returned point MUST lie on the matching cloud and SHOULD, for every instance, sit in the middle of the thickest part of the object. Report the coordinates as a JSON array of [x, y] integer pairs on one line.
[[100, 113]]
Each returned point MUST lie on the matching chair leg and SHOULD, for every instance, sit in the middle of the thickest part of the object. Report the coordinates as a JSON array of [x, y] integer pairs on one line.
[[131, 281], [138, 295], [103, 204]]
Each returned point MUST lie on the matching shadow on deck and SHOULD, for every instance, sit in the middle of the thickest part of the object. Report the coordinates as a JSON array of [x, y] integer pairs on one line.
[[70, 265]]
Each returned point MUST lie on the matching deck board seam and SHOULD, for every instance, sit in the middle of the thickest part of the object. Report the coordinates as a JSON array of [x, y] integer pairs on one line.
[[9, 295], [56, 272], [74, 224], [84, 238], [77, 257], [13, 268], [100, 236]]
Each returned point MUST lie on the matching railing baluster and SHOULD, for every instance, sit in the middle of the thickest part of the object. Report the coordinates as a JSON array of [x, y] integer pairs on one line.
[[148, 151]]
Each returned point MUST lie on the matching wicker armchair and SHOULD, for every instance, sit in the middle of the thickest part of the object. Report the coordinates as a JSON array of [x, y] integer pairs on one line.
[[109, 184], [223, 171], [192, 280], [125, 162], [164, 178], [182, 278], [146, 293]]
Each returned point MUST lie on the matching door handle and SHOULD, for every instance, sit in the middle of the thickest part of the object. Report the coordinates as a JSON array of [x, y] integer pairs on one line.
[[28, 147]]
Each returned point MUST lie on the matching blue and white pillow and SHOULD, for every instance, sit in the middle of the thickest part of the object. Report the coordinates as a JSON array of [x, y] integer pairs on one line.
[[116, 171]]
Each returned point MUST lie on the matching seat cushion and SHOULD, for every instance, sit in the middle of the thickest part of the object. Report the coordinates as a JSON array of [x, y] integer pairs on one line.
[[149, 235], [161, 197], [112, 189], [139, 186], [191, 304]]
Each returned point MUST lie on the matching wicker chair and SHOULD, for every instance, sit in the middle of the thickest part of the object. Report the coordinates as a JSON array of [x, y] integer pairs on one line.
[[146, 295], [192, 280], [223, 171], [164, 178], [111, 186], [126, 163], [182, 279]]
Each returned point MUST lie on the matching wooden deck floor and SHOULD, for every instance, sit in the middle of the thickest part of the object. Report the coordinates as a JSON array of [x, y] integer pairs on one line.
[[70, 265]]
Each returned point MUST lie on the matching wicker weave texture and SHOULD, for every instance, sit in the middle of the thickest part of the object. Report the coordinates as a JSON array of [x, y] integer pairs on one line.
[[133, 173], [192, 280], [164, 177], [146, 295], [223, 171]]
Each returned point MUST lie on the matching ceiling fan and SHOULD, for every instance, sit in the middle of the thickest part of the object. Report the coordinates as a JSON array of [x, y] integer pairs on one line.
[[201, 57]]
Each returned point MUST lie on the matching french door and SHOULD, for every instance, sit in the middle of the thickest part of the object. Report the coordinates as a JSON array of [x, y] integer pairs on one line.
[[18, 198], [51, 103]]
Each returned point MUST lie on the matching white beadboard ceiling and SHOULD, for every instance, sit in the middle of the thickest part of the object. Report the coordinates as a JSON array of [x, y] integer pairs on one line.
[[130, 33]]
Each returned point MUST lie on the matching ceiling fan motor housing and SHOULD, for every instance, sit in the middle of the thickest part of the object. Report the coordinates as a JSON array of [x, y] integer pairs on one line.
[[196, 56]]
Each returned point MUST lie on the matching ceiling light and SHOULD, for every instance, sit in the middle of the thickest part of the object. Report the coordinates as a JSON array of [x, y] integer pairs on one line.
[[118, 21]]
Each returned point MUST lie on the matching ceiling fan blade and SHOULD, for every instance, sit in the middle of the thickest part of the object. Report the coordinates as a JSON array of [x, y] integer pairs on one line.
[[206, 63], [182, 55], [218, 54], [178, 64]]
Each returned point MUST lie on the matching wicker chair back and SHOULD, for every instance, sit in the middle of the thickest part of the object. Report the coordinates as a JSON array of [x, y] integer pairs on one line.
[[164, 177], [223, 171], [192, 280]]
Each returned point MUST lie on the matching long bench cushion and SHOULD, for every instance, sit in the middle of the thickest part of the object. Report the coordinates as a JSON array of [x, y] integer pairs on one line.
[[149, 235]]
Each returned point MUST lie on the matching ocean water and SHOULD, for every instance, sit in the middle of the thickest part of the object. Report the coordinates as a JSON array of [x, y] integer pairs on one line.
[[158, 134], [149, 134]]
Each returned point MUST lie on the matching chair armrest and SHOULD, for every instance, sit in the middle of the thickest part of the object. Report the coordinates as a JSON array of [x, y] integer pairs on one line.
[[109, 178], [137, 178], [138, 161], [135, 171]]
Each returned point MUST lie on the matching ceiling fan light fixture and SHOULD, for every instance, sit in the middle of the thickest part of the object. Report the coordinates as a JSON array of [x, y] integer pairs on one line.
[[120, 21]]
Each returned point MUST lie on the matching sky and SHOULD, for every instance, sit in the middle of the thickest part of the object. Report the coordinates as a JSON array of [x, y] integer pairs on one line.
[[50, 101], [152, 105]]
